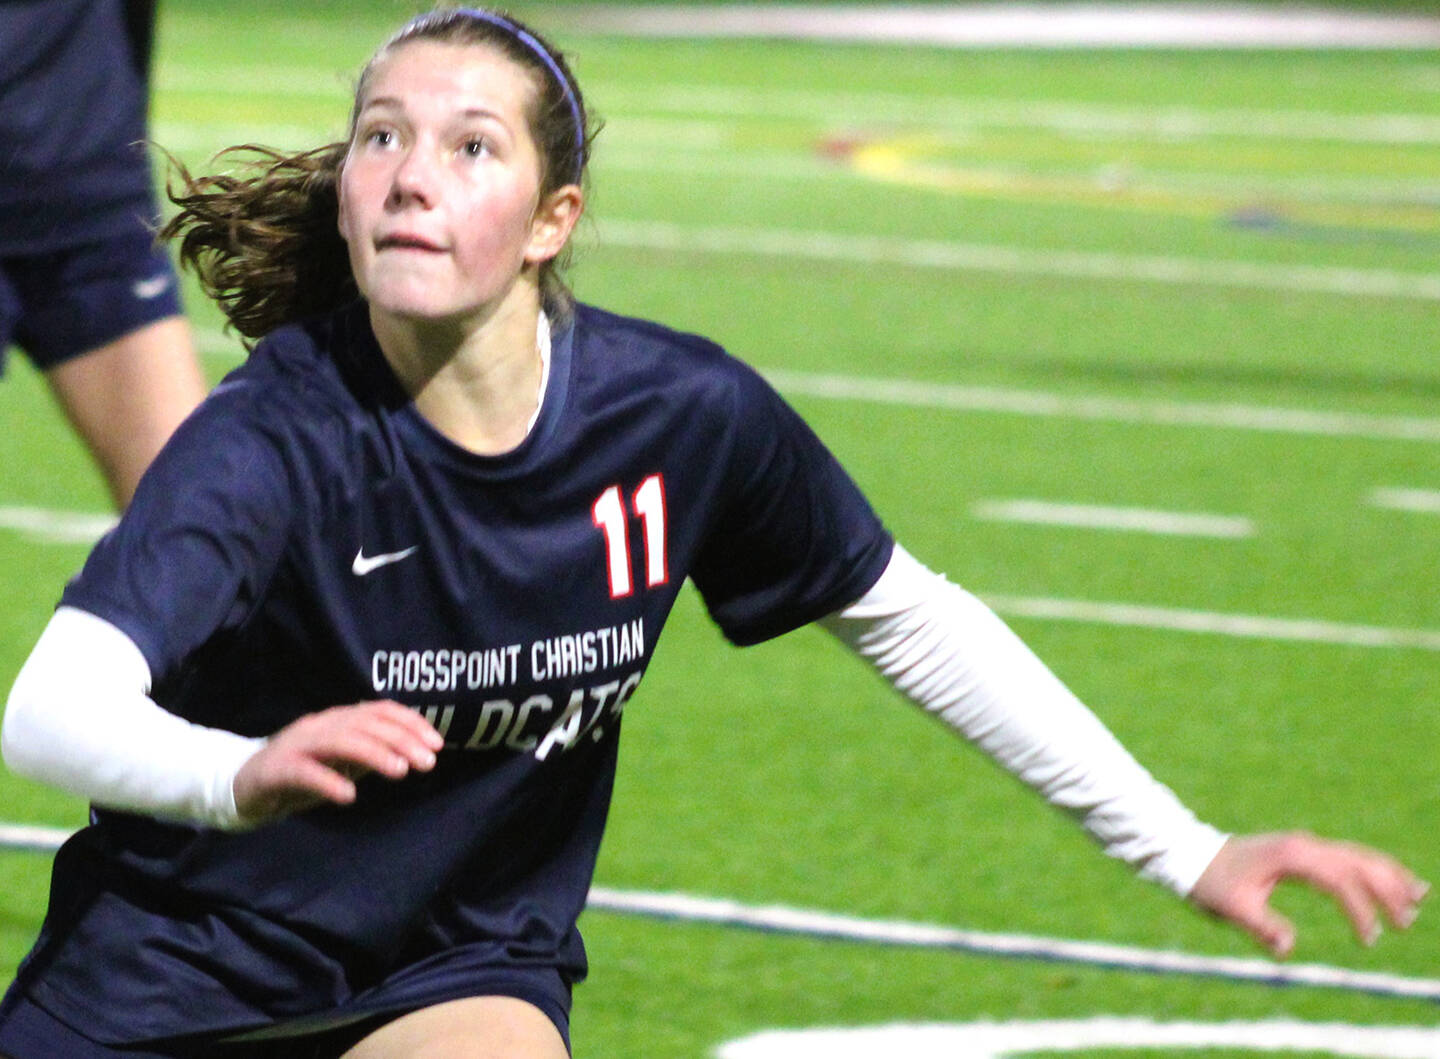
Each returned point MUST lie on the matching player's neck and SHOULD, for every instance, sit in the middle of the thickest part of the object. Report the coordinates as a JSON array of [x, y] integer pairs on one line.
[[476, 382]]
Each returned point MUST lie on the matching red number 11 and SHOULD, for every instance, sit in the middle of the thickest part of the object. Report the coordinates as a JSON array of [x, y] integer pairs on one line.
[[609, 515]]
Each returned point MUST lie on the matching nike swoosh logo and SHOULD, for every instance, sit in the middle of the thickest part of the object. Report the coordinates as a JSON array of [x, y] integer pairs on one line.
[[364, 564], [147, 289]]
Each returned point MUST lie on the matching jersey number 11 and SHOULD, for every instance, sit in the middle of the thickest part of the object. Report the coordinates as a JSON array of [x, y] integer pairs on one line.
[[609, 515]]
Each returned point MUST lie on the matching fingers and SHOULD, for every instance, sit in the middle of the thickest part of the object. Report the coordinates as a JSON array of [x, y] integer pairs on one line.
[[373, 737], [318, 757], [1273, 931], [1395, 889], [1238, 884], [306, 776], [276, 781], [1366, 882], [1358, 904]]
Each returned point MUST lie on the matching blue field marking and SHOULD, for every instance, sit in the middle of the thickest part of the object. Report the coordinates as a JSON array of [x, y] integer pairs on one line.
[[782, 919], [779, 919]]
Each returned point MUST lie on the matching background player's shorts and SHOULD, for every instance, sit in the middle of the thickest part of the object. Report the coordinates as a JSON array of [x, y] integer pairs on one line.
[[60, 303]]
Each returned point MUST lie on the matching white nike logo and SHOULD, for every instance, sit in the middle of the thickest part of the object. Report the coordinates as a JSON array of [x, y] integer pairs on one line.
[[364, 564], [146, 289]]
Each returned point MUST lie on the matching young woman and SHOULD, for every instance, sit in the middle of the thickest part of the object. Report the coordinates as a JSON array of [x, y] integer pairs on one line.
[[345, 684]]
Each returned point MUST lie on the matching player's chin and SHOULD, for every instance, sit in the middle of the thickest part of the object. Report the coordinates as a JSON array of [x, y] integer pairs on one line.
[[412, 302]]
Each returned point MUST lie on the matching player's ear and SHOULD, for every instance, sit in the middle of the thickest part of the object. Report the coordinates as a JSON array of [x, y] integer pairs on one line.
[[555, 218]]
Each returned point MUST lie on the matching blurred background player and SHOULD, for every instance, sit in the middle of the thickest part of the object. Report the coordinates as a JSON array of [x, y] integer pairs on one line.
[[85, 291]]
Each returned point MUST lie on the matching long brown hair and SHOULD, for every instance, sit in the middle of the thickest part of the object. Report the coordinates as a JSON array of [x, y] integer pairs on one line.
[[263, 240]]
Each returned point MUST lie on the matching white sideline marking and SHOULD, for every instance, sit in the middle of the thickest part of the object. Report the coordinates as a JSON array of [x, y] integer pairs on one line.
[[1243, 626], [1030, 25], [959, 398], [298, 81], [56, 527], [663, 155], [785, 920], [215, 136], [998, 1040], [216, 343], [1064, 116], [1015, 260], [1424, 501], [68, 527], [1091, 516], [33, 839], [628, 103], [782, 919]]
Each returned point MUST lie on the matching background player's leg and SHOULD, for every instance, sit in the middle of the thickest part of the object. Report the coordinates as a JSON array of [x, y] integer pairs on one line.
[[493, 1027], [125, 398]]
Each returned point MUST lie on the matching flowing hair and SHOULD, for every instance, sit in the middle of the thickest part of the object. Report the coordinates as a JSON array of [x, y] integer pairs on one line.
[[264, 240]]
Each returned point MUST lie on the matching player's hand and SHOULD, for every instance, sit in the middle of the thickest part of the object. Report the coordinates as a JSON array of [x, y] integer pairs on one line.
[[317, 758], [1239, 881]]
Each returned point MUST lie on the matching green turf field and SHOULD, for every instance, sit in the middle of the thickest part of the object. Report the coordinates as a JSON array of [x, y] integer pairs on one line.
[[1191, 283]]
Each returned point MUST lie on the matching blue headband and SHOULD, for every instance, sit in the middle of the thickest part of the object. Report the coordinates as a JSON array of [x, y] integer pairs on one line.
[[528, 39]]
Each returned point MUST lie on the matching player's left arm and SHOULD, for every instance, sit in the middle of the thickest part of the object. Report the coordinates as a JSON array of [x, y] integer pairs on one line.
[[950, 654]]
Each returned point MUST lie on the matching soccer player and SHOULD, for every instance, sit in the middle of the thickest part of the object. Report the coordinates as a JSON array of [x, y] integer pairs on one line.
[[85, 290], [346, 683]]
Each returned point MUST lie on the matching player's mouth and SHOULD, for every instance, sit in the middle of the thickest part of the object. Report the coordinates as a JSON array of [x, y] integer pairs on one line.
[[408, 241]]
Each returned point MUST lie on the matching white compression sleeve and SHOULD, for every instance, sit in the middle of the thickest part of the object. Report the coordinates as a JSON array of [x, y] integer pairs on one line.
[[80, 718], [949, 653]]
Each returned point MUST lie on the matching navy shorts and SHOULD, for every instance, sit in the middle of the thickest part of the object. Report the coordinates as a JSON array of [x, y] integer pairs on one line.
[[59, 304], [28, 1031]]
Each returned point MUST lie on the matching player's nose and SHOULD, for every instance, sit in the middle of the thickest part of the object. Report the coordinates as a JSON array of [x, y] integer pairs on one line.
[[414, 178]]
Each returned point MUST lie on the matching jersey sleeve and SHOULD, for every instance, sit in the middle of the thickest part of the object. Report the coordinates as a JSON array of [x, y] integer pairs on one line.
[[794, 538], [202, 537]]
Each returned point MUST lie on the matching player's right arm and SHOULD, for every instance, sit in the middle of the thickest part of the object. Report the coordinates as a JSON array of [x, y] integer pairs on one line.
[[92, 730], [192, 559]]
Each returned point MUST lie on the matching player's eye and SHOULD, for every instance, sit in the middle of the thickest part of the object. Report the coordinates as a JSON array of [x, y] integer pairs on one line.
[[380, 137], [476, 147]]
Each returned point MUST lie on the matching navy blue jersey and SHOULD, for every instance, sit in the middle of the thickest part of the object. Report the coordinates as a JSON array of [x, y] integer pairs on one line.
[[72, 115], [306, 540]]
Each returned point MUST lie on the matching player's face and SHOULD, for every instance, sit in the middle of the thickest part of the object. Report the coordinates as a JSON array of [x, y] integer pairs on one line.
[[440, 191]]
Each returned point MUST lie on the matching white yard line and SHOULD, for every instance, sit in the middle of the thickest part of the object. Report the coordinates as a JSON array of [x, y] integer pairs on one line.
[[661, 155], [211, 137], [1132, 519], [784, 920], [212, 342], [781, 919], [1423, 501], [707, 147], [253, 79], [1029, 25], [56, 527], [73, 527], [987, 1039], [1242, 626], [1165, 122], [1015, 260], [29, 838], [626, 101], [1038, 403]]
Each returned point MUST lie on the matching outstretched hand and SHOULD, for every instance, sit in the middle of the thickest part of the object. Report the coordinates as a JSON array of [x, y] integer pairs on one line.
[[317, 758], [1239, 881]]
